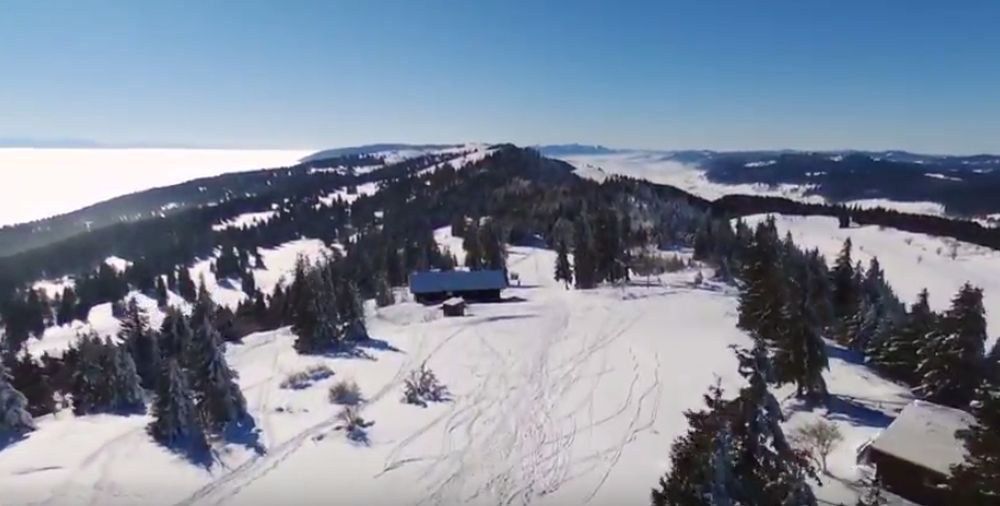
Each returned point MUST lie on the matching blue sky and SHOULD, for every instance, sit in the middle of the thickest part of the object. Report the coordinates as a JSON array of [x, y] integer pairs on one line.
[[916, 75]]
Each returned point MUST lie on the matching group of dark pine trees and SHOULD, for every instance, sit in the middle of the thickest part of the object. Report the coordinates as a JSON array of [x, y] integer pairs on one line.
[[790, 302]]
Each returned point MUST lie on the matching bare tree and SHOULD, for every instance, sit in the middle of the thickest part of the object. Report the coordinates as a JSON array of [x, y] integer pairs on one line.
[[817, 439]]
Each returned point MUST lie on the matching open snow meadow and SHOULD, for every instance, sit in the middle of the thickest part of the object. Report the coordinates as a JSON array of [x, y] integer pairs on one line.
[[558, 397], [38, 183]]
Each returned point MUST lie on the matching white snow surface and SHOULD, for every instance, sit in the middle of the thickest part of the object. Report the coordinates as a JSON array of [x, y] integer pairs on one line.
[[559, 397], [911, 261], [924, 434], [245, 220], [44, 182], [654, 167]]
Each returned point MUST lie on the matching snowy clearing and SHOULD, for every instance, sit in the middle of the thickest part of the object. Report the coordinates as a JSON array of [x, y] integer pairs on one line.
[[559, 397], [911, 261], [55, 181], [656, 168], [244, 220]]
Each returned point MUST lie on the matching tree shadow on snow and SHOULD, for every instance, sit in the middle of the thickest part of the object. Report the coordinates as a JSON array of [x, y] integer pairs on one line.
[[500, 318], [245, 433], [358, 348], [10, 438], [845, 354], [856, 413]]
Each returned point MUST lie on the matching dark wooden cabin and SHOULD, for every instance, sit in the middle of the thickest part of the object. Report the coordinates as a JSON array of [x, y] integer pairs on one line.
[[437, 286], [914, 454]]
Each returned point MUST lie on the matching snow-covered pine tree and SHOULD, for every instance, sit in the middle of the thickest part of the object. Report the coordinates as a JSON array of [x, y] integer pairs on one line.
[[584, 255], [316, 319], [14, 416], [695, 457], [219, 398], [473, 247], [125, 386], [161, 292], [494, 249], [977, 480], [89, 385], [897, 354], [142, 342], [351, 311], [845, 288], [175, 335], [185, 285], [952, 358], [762, 295], [800, 353], [771, 472], [383, 292], [176, 422], [564, 271]]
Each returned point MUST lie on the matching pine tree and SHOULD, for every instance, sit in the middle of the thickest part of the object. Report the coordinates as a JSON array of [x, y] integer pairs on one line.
[[185, 285], [494, 251], [89, 383], [800, 355], [977, 479], [584, 255], [952, 357], [124, 382], [176, 422], [898, 355], [219, 398], [473, 247], [142, 343], [161, 292], [845, 289], [350, 311], [695, 459], [771, 471], [175, 335], [14, 416], [383, 292], [762, 297], [32, 380], [67, 307], [564, 271], [315, 316]]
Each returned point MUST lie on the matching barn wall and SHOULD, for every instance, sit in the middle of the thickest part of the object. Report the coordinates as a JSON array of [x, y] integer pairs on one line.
[[908, 480]]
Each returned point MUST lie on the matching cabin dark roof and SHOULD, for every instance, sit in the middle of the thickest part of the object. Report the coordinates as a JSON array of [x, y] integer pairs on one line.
[[456, 281]]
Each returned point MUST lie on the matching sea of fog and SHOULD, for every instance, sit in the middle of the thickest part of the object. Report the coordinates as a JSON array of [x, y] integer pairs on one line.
[[37, 183]]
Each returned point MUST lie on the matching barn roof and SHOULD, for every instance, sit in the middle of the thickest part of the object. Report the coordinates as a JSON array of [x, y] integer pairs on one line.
[[457, 281], [924, 434]]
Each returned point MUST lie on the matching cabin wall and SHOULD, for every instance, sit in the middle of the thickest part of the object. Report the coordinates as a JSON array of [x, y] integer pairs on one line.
[[908, 480]]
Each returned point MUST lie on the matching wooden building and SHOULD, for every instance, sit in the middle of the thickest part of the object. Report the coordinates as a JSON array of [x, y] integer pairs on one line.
[[454, 306], [437, 286], [914, 454]]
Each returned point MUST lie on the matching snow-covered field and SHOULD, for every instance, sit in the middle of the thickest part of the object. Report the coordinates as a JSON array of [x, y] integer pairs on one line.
[[38, 183], [657, 168], [560, 397], [911, 262]]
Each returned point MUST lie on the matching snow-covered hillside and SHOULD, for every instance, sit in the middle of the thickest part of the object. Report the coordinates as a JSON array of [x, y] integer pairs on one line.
[[911, 262], [559, 397], [659, 168], [54, 181]]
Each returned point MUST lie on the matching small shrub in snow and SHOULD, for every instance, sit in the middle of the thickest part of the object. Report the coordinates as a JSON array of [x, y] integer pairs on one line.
[[817, 439], [422, 386], [345, 393], [354, 425], [305, 379]]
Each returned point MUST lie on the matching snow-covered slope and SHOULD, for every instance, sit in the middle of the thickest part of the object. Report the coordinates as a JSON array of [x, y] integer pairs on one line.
[[659, 168], [911, 262], [559, 397]]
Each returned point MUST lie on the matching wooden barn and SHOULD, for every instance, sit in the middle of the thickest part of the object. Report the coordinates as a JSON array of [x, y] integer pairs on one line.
[[437, 286], [454, 306], [914, 454]]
